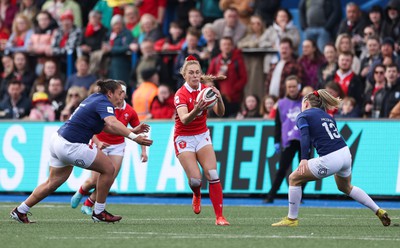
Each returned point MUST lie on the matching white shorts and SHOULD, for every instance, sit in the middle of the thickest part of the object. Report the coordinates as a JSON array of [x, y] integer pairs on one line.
[[116, 150], [64, 153], [337, 162], [191, 143]]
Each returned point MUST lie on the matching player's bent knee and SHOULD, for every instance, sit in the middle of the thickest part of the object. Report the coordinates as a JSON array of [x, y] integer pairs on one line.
[[346, 189], [213, 175], [195, 182], [295, 179]]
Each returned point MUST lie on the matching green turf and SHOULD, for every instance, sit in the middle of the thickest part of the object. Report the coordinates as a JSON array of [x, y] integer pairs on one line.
[[176, 226]]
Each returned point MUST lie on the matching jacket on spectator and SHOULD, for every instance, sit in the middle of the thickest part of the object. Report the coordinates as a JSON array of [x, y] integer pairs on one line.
[[386, 98], [290, 68], [331, 10], [232, 87], [165, 110], [74, 39], [95, 40], [120, 64], [23, 108], [41, 40]]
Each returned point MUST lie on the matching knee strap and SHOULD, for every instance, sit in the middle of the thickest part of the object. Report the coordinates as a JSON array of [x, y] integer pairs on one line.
[[195, 182], [213, 175]]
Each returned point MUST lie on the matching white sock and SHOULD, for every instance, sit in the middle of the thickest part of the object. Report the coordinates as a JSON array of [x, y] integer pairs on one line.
[[23, 208], [295, 194], [99, 207], [363, 198]]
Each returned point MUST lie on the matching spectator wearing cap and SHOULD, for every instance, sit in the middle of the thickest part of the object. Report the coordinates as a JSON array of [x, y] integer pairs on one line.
[[66, 38], [386, 57], [41, 108], [144, 95], [369, 32], [14, 105], [375, 17], [58, 7], [391, 25], [116, 47]]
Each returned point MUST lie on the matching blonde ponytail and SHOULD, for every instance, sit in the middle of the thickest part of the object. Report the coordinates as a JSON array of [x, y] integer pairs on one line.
[[322, 99]]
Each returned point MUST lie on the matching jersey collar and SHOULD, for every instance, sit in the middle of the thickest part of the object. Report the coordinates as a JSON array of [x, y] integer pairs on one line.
[[123, 106], [190, 89]]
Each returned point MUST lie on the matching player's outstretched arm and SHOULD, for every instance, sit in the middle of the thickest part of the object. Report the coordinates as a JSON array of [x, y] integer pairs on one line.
[[114, 126]]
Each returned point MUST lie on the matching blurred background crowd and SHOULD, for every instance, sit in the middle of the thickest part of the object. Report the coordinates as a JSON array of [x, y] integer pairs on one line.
[[52, 52]]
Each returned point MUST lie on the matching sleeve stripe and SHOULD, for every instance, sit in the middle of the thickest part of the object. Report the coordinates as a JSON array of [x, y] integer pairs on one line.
[[181, 105], [304, 125]]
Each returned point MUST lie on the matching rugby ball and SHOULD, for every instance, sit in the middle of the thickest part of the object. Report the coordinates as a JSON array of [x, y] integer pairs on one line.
[[208, 96]]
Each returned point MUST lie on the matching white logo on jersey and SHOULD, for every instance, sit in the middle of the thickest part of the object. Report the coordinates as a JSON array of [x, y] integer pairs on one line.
[[126, 116], [110, 110], [177, 99]]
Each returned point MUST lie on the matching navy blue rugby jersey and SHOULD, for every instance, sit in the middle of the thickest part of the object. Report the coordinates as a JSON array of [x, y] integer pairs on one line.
[[323, 131], [87, 119]]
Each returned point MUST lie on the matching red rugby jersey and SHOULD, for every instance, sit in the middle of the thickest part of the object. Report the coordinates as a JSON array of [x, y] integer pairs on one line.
[[185, 97]]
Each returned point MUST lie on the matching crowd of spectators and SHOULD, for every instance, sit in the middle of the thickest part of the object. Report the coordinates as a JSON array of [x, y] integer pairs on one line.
[[144, 43]]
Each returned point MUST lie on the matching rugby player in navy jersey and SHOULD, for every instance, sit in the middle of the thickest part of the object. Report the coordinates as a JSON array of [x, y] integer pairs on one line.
[[69, 147], [319, 129]]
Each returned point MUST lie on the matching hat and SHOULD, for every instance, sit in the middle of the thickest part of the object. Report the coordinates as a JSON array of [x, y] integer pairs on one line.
[[376, 8], [147, 73], [67, 15], [392, 5], [40, 97], [388, 41]]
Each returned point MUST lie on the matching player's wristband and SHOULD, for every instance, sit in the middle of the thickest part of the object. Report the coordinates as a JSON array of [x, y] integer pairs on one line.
[[132, 136]]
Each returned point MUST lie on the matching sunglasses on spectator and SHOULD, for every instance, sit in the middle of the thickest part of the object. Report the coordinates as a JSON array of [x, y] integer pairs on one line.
[[379, 72], [368, 34], [73, 95]]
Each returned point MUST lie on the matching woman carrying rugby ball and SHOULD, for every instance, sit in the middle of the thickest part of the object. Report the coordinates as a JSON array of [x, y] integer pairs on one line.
[[192, 139]]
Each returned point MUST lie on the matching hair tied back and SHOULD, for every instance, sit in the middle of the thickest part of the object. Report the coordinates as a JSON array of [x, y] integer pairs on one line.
[[316, 93], [191, 57]]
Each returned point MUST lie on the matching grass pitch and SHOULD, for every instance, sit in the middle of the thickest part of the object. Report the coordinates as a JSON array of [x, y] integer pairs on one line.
[[176, 226]]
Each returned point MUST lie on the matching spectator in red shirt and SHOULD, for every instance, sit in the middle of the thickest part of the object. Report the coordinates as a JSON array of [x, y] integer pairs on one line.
[[163, 106]]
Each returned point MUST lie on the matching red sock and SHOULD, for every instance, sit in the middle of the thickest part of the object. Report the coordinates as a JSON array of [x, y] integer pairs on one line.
[[216, 196], [82, 192], [196, 190], [89, 202]]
